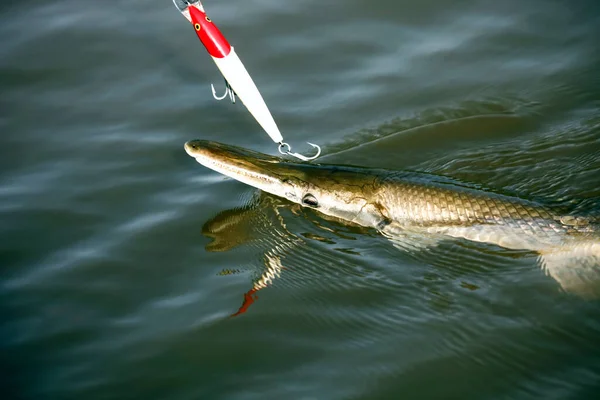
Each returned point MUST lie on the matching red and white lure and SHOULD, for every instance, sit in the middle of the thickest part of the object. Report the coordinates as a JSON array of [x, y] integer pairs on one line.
[[237, 79]]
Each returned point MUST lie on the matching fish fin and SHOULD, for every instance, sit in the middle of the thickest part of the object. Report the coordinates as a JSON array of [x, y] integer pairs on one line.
[[575, 267]]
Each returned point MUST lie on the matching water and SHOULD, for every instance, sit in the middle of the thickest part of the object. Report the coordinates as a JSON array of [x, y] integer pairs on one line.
[[122, 259]]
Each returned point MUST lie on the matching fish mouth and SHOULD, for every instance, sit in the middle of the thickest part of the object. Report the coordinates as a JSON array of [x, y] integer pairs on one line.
[[213, 154], [215, 151], [256, 169]]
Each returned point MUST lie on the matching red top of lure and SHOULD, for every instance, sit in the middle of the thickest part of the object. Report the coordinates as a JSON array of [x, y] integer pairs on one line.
[[208, 33]]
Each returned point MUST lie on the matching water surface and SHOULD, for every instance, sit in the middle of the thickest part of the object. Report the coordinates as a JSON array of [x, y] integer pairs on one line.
[[123, 259]]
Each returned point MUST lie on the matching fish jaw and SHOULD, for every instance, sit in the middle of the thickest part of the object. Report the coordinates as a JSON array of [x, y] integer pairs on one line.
[[342, 192]]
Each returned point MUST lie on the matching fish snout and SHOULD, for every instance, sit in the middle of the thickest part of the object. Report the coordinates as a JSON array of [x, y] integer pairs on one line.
[[194, 148]]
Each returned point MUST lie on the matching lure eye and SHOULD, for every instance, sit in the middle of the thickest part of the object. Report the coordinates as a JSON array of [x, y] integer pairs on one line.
[[310, 200], [197, 26], [207, 19]]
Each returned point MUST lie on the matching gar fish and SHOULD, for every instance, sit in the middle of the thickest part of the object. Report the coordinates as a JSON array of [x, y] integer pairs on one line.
[[417, 209]]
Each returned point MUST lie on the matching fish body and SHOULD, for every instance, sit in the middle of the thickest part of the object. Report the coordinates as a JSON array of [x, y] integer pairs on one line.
[[416, 209], [435, 205]]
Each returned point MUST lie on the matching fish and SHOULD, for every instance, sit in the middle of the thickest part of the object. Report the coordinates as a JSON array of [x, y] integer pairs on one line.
[[417, 210]]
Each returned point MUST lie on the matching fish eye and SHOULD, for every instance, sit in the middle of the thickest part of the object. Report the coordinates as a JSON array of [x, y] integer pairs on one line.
[[310, 200], [197, 26], [207, 19]]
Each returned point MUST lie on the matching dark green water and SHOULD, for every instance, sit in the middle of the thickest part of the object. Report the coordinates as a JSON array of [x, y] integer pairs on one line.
[[111, 290]]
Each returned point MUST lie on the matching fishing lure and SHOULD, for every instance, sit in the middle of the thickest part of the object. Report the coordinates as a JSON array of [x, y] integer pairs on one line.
[[237, 79]]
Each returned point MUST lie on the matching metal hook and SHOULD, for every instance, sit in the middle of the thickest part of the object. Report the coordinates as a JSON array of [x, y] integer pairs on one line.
[[228, 92], [300, 156]]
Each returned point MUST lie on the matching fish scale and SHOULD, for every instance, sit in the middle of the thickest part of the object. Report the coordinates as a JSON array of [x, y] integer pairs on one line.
[[418, 200]]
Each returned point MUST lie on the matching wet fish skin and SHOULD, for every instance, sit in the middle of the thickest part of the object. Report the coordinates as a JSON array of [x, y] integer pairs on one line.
[[435, 204]]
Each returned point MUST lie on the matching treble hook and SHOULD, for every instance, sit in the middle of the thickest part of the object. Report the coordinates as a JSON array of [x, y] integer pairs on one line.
[[228, 92], [300, 156]]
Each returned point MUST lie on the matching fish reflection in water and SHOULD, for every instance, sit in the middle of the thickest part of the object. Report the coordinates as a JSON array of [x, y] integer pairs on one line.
[[261, 224], [255, 223]]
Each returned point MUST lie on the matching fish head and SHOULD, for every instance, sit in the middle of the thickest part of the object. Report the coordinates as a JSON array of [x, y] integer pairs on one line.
[[343, 192]]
